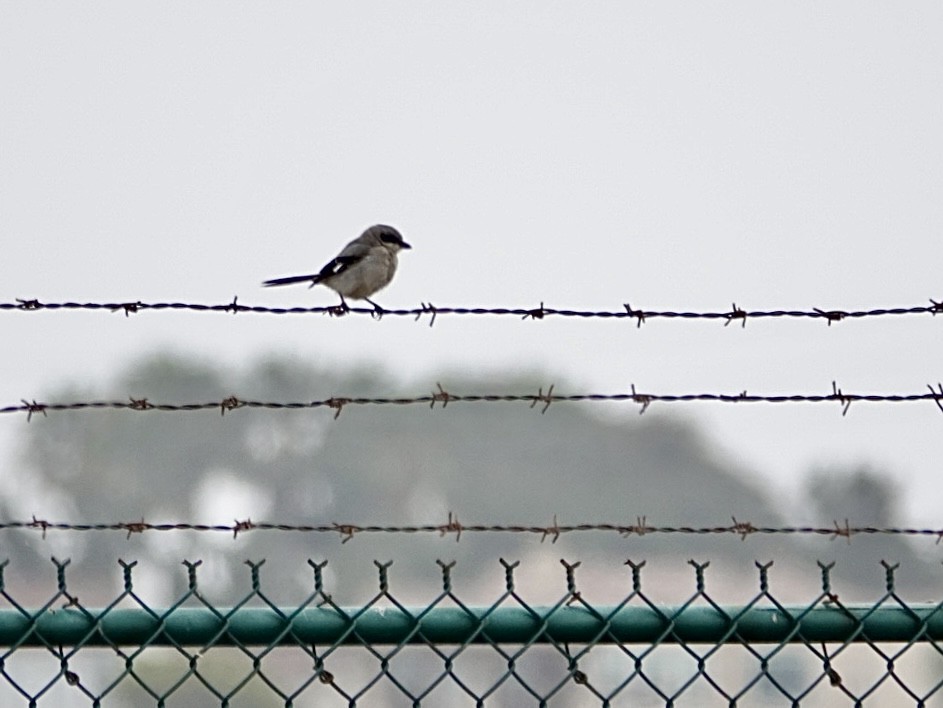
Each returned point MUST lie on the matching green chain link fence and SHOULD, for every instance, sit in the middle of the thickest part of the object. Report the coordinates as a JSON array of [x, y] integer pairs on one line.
[[508, 652]]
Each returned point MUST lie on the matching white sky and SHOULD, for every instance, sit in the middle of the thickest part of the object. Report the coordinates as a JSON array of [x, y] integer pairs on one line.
[[670, 155]]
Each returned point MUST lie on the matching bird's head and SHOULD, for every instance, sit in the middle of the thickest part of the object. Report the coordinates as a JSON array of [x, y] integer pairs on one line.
[[388, 237]]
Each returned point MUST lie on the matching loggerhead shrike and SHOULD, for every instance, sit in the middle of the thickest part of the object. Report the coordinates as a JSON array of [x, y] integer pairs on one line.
[[366, 265]]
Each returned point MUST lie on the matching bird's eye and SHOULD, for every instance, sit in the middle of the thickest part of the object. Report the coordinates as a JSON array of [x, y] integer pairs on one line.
[[387, 237]]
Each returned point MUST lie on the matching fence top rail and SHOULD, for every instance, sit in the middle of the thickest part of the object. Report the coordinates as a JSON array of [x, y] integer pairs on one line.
[[580, 623]]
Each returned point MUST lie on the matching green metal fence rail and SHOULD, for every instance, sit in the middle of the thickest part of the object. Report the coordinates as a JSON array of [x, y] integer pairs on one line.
[[506, 652]]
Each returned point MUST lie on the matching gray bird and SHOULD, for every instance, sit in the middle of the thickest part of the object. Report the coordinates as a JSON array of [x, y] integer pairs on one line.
[[366, 265]]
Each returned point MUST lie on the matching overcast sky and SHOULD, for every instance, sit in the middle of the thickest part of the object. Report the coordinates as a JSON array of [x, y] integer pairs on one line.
[[670, 155]]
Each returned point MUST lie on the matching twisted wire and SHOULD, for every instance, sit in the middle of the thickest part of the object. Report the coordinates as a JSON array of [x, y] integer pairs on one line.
[[735, 314], [453, 527], [337, 403]]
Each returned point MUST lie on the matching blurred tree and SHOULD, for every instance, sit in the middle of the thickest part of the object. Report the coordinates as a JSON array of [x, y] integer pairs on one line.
[[502, 463], [864, 497], [858, 491]]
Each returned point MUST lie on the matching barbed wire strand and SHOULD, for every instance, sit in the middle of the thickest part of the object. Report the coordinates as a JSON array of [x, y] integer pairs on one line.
[[735, 314], [453, 526], [337, 403]]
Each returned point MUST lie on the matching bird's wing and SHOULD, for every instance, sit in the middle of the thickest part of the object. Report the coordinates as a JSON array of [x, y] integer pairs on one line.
[[353, 252], [337, 266]]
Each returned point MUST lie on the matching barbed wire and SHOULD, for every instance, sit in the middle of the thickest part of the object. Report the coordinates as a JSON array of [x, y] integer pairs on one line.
[[735, 314], [453, 527], [337, 403]]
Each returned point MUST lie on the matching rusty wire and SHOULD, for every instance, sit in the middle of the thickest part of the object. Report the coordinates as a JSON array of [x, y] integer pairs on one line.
[[453, 527], [337, 403], [735, 314]]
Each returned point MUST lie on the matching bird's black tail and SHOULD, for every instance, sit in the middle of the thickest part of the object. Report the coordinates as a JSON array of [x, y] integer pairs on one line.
[[292, 279]]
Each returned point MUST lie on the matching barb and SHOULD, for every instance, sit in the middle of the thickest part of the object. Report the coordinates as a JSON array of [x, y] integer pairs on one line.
[[445, 396], [32, 407], [642, 399], [440, 395], [736, 314], [627, 312], [835, 315], [937, 394], [841, 398], [425, 307], [636, 314], [545, 399], [742, 530], [453, 525]]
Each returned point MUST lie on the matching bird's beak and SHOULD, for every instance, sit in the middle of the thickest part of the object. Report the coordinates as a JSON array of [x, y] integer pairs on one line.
[[404, 245]]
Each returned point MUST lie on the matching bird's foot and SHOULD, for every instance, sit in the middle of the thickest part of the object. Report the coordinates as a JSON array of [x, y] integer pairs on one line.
[[378, 311], [340, 310]]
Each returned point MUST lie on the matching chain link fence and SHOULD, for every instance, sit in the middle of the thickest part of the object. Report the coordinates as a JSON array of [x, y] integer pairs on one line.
[[449, 652]]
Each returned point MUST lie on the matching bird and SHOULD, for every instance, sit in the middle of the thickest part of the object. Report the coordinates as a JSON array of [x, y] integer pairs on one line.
[[364, 266]]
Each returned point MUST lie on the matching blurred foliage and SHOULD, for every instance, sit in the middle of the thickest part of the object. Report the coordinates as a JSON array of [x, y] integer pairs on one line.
[[488, 463]]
